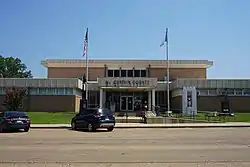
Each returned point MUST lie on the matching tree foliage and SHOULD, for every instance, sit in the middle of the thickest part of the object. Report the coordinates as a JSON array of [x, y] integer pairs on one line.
[[11, 67], [14, 98]]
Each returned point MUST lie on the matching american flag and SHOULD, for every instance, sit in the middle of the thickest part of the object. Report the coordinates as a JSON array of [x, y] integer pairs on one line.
[[166, 38], [85, 43]]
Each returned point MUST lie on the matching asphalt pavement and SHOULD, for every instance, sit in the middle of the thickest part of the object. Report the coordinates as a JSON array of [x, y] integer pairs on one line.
[[161, 147]]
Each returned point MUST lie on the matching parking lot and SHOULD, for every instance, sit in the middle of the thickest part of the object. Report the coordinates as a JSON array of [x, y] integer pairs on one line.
[[127, 147]]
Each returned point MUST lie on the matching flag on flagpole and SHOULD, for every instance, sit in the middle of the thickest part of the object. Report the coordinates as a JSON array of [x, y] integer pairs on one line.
[[166, 39], [85, 43]]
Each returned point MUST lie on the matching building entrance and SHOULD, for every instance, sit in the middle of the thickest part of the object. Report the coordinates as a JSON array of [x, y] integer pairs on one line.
[[127, 103]]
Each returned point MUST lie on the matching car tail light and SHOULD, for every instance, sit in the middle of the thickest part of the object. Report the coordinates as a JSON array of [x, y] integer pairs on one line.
[[97, 115], [8, 120]]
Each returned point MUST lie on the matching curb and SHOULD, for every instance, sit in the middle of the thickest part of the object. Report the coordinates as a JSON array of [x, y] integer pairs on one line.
[[179, 127], [48, 127], [151, 127]]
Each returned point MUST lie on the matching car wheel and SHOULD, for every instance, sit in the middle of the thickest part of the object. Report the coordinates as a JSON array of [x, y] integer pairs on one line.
[[91, 128], [26, 129], [111, 128], [73, 125]]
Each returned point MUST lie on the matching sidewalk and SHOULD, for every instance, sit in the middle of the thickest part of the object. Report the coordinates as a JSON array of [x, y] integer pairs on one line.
[[139, 125]]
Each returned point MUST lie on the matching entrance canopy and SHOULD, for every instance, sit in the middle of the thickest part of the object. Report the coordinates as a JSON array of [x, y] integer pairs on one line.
[[127, 89]]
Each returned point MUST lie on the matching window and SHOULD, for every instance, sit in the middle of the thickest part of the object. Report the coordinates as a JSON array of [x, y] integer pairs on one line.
[[212, 92], [92, 97], [247, 92], [110, 73], [105, 111], [238, 91], [130, 73], [60, 91], [143, 73], [123, 73], [14, 113], [2, 91], [88, 111], [160, 98], [230, 91], [137, 73], [50, 91], [34, 91], [69, 91], [116, 73], [77, 92], [203, 92], [42, 91]]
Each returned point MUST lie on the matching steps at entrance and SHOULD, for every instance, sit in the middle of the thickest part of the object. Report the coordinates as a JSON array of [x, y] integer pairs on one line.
[[128, 120], [151, 114], [133, 117], [134, 114], [130, 114]]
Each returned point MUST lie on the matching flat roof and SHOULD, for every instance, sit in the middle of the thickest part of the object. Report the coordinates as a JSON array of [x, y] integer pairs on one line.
[[211, 83], [41, 82], [114, 63]]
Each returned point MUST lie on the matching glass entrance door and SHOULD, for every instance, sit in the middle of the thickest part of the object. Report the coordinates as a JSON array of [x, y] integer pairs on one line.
[[127, 103]]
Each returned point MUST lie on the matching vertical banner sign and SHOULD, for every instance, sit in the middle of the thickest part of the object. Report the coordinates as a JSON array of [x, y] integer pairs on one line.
[[189, 99]]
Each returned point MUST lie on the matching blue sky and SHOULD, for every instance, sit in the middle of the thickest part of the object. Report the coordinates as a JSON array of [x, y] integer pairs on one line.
[[217, 30]]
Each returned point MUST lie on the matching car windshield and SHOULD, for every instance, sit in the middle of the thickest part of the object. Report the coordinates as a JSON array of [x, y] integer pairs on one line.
[[105, 112], [14, 114]]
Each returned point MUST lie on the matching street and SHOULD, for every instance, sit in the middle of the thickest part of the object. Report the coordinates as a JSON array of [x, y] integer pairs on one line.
[[127, 147]]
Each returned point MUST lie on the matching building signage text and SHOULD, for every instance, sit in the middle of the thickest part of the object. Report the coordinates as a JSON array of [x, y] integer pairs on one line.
[[127, 83]]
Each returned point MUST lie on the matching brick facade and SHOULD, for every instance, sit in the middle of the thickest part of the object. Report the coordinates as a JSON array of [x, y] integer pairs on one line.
[[95, 72], [213, 103], [47, 103]]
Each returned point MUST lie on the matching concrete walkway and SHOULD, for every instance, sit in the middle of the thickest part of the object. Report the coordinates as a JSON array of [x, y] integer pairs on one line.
[[139, 125]]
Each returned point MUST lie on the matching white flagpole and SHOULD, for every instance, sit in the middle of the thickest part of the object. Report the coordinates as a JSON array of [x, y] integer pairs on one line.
[[87, 68], [167, 58]]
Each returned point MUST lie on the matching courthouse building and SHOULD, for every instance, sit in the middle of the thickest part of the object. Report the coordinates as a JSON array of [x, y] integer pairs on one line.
[[126, 83]]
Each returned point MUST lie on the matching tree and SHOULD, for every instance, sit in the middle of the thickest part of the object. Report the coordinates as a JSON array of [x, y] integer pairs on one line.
[[11, 67], [14, 97]]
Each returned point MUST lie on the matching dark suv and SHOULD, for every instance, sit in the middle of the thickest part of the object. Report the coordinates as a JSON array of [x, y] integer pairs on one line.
[[93, 118]]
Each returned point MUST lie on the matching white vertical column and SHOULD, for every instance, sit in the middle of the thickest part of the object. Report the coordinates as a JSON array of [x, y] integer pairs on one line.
[[149, 100], [153, 99], [104, 99], [184, 100], [101, 97], [194, 100]]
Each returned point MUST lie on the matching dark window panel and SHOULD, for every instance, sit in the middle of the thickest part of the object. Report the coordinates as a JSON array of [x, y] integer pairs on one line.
[[137, 73], [110, 73], [116, 73], [123, 73], [130, 73], [143, 73]]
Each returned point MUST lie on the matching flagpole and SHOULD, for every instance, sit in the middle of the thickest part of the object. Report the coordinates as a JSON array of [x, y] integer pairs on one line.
[[87, 71], [167, 58]]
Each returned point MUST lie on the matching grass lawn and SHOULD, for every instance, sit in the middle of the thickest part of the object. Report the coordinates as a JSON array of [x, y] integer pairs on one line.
[[65, 117], [50, 117], [239, 117]]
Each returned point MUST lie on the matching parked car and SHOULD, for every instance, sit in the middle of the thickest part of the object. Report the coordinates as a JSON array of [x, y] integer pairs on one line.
[[14, 120], [94, 118]]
